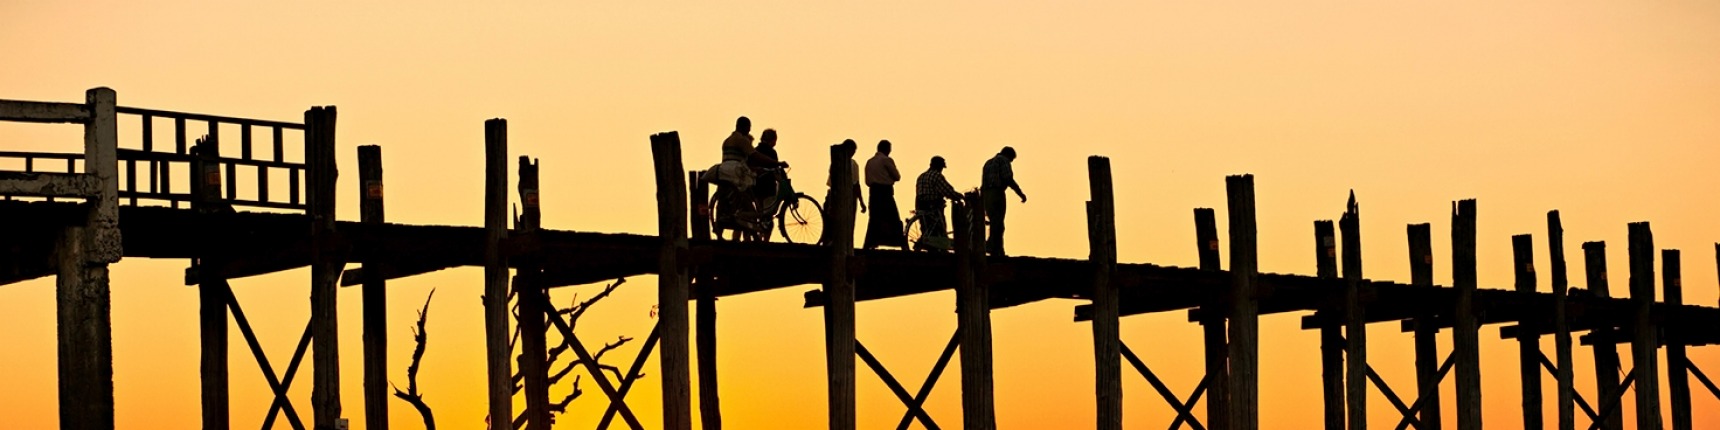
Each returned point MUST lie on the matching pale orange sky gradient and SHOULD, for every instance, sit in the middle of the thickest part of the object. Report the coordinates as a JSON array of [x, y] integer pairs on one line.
[[1603, 110]]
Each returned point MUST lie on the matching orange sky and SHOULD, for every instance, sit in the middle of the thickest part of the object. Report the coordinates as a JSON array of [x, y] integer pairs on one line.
[[1603, 110]]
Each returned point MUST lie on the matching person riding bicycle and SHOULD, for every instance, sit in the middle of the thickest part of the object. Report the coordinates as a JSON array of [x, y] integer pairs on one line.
[[735, 176]]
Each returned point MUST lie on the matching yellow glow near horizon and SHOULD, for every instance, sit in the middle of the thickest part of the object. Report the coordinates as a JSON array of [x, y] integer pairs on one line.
[[1605, 111]]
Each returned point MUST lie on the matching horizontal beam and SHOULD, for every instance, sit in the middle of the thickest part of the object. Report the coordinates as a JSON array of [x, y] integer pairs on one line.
[[209, 118], [48, 112], [49, 185]]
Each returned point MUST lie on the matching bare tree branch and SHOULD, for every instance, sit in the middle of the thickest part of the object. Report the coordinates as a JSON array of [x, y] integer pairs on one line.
[[411, 395]]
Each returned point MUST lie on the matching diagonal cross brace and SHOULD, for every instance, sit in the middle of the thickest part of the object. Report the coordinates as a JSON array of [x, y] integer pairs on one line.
[[895, 387], [1421, 398], [1702, 378], [632, 376], [277, 384], [1611, 401], [1584, 404], [1184, 411], [590, 365], [1193, 397], [919, 400], [1391, 396]]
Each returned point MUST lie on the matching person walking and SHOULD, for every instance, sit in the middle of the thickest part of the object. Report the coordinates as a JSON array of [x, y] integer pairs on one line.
[[885, 226], [997, 176], [930, 190]]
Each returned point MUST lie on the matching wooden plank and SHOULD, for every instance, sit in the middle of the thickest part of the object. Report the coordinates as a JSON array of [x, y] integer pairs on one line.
[[710, 404], [1677, 362], [375, 290], [50, 185], [1356, 326], [326, 265], [672, 282], [1465, 334], [1427, 363], [1244, 316], [205, 117], [49, 112], [1212, 327], [1528, 344], [496, 330], [1566, 394], [839, 292], [1606, 355], [1644, 344], [973, 316], [1102, 251], [534, 347], [1331, 335]]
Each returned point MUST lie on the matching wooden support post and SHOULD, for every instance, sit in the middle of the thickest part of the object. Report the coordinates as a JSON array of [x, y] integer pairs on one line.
[[82, 303], [1331, 335], [672, 283], [1426, 334], [1356, 326], [496, 331], [1244, 306], [1217, 348], [1528, 343], [1102, 251], [212, 295], [1677, 364], [1606, 353], [839, 293], [1643, 346], [973, 316], [1465, 335], [326, 264], [710, 411], [1561, 323], [532, 300], [375, 293]]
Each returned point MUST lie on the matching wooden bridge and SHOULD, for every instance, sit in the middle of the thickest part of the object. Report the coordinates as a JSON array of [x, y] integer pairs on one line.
[[72, 214]]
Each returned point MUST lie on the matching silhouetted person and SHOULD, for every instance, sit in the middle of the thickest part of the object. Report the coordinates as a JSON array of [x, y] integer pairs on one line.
[[997, 176], [767, 187], [930, 190], [885, 226], [853, 174]]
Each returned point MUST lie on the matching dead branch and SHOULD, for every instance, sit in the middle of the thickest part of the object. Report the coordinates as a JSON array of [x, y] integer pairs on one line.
[[411, 395]]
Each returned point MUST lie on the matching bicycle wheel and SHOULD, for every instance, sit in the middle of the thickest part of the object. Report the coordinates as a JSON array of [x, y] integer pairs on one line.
[[911, 231], [711, 215], [801, 220]]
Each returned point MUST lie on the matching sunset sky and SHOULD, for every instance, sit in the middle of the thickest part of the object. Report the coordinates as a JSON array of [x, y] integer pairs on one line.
[[1607, 111]]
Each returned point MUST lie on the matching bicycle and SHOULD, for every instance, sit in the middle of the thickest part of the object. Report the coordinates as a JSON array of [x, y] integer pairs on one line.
[[799, 217]]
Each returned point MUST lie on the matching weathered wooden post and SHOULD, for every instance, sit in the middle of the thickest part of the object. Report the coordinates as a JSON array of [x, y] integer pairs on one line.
[[326, 265], [1355, 319], [1677, 372], [1606, 353], [1465, 335], [1212, 327], [1561, 323], [1644, 343], [839, 290], [1102, 249], [82, 301], [496, 331], [1528, 343], [672, 282], [211, 293], [710, 411], [375, 293], [531, 297], [973, 319], [1426, 332], [1244, 306], [1331, 335]]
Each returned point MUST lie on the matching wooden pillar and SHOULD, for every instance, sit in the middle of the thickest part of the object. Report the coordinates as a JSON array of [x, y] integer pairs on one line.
[[1643, 346], [326, 265], [839, 291], [1331, 335], [1102, 251], [211, 294], [1677, 374], [1217, 347], [672, 282], [1244, 306], [375, 293], [710, 411], [531, 297], [496, 330], [1561, 323], [1528, 343], [1356, 325], [1606, 353], [1465, 341], [1426, 333], [973, 319], [82, 300]]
